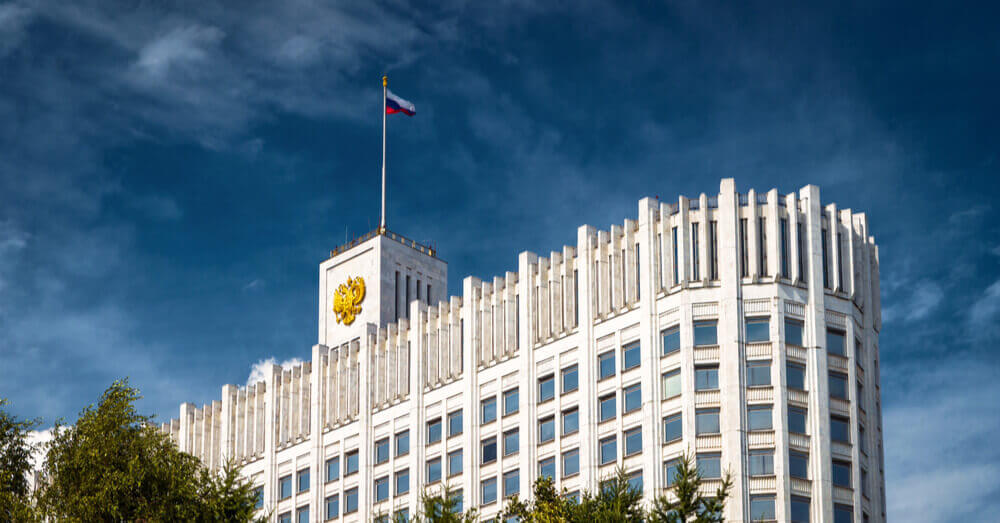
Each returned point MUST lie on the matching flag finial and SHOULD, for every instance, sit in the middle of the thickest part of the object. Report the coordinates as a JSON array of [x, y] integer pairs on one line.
[[385, 81]]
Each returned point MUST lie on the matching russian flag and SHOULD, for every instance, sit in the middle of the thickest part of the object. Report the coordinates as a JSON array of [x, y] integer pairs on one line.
[[395, 104]]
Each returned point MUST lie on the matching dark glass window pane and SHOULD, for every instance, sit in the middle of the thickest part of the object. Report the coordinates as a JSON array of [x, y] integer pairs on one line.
[[606, 363], [793, 333], [489, 450], [402, 482], [332, 469], [381, 489], [489, 409], [631, 356], [511, 442], [633, 441], [796, 376], [455, 463], [489, 490], [841, 473], [672, 384], [609, 450], [434, 470], [800, 510], [547, 467], [382, 450], [633, 398], [285, 487], [798, 465], [303, 480], [839, 429], [673, 429], [571, 462], [796, 420], [761, 462], [608, 410], [403, 443], [546, 388], [510, 402], [838, 386], [671, 471], [706, 378], [709, 465], [758, 329], [671, 340], [759, 417], [434, 431], [843, 513], [707, 421], [332, 507], [511, 483], [570, 421], [759, 373], [351, 501], [704, 333], [835, 342], [762, 508], [570, 379], [454, 423]]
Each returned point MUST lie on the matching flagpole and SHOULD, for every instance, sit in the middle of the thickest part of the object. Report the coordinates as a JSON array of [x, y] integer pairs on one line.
[[385, 86]]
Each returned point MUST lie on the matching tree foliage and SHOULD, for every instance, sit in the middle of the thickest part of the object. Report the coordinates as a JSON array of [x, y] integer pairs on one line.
[[15, 465], [690, 505], [443, 507]]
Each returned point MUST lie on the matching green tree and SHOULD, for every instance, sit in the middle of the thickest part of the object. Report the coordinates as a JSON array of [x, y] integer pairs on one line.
[[15, 464], [690, 505], [443, 507], [616, 501]]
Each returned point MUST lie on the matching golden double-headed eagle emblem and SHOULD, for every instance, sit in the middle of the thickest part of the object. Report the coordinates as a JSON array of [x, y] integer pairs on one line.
[[347, 300]]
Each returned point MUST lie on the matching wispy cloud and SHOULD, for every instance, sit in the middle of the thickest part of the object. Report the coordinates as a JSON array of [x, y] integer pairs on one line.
[[259, 371]]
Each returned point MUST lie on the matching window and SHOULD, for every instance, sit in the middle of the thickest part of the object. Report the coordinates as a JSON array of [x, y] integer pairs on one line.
[[673, 429], [607, 406], [454, 463], [839, 430], [784, 247], [671, 384], [458, 499], [382, 451], [762, 508], [798, 465], [762, 462], [488, 409], [333, 469], [677, 279], [546, 388], [835, 342], [705, 333], [489, 450], [800, 246], [797, 420], [511, 442], [840, 262], [406, 308], [800, 509], [843, 513], [862, 442], [402, 443], [285, 487], [706, 378], [333, 506], [546, 429], [793, 332], [632, 398], [796, 376], [434, 470], [841, 473], [709, 465], [635, 481], [285, 518], [351, 463], [838, 385], [744, 261], [759, 417], [631, 356], [826, 272], [511, 483], [302, 480], [670, 471], [860, 396], [434, 431], [351, 500], [633, 441], [402, 515], [571, 462], [758, 329], [671, 340], [713, 244], [381, 489], [258, 496], [694, 252], [864, 482], [762, 245], [570, 421], [510, 402], [488, 490], [759, 373], [706, 421], [455, 423], [402, 481], [606, 364], [547, 467], [570, 379], [609, 450]]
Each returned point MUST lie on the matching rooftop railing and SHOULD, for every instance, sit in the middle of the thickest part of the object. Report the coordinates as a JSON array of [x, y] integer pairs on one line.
[[381, 231]]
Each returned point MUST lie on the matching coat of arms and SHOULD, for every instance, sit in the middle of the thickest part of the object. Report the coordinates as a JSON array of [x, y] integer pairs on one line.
[[347, 300]]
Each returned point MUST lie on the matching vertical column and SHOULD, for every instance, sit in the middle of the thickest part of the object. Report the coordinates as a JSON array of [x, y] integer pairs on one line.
[[683, 241], [586, 237], [228, 422], [317, 399], [470, 399], [773, 235], [792, 205], [753, 257], [649, 358], [528, 392]]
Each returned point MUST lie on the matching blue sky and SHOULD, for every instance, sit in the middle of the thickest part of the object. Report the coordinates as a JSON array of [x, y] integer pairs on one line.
[[170, 177]]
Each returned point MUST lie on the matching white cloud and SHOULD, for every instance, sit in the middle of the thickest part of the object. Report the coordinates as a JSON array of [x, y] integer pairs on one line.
[[181, 46], [259, 370], [13, 21], [983, 315], [924, 296]]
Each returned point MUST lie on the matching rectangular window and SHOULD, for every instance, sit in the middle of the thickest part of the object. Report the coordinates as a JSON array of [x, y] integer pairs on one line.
[[840, 262], [835, 342], [800, 509], [458, 502], [570, 379], [547, 468], [638, 284], [606, 364], [635, 481], [434, 470], [428, 295], [406, 307], [705, 333], [402, 516], [608, 450], [402, 443], [796, 376], [395, 305], [511, 442], [784, 247], [455, 423], [758, 329], [826, 272], [839, 429], [285, 487], [841, 473], [673, 429], [570, 421], [677, 279], [333, 506], [488, 488], [547, 429], [838, 385], [511, 483], [793, 332], [762, 508], [258, 496], [759, 417], [843, 513], [434, 431], [381, 489], [631, 356], [488, 409], [800, 246], [744, 260], [488, 449], [285, 518], [351, 463], [713, 244], [671, 384], [302, 514], [546, 388], [570, 462], [607, 406], [510, 402], [302, 480], [759, 373], [351, 501], [709, 465], [798, 465], [454, 463], [633, 441], [762, 244], [706, 421], [762, 462], [671, 340], [382, 451], [632, 398], [695, 273], [333, 469], [402, 481], [797, 420], [576, 297], [706, 378], [670, 471]]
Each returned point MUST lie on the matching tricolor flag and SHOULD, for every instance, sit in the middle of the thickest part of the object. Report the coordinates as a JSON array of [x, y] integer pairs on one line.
[[395, 104]]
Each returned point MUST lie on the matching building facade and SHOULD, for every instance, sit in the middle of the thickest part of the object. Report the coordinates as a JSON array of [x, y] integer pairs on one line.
[[739, 328]]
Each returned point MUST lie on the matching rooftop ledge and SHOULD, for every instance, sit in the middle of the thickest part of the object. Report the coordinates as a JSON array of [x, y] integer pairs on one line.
[[382, 231]]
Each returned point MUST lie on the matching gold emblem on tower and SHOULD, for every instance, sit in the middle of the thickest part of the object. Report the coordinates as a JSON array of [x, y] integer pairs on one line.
[[347, 300]]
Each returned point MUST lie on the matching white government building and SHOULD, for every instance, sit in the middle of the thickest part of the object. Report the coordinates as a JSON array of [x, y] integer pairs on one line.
[[740, 328]]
